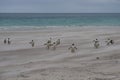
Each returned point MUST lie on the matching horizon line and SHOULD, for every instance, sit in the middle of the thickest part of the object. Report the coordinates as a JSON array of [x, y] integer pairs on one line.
[[57, 13]]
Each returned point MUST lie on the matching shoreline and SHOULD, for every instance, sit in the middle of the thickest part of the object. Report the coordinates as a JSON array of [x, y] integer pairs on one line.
[[28, 28]]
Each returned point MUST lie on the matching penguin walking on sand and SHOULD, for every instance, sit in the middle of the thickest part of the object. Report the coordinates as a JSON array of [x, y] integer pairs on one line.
[[109, 41], [72, 48], [32, 43], [5, 41], [9, 42], [49, 41], [54, 46], [58, 42], [96, 43], [48, 45]]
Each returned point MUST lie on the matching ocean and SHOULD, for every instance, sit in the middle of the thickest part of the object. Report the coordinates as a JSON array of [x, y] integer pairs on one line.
[[45, 20]]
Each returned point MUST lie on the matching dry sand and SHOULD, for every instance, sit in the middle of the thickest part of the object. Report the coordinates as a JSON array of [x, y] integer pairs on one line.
[[19, 61]]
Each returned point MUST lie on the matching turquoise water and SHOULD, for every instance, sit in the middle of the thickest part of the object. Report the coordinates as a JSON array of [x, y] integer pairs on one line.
[[42, 20]]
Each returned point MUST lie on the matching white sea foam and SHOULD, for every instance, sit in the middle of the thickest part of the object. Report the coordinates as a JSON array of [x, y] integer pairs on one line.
[[45, 27]]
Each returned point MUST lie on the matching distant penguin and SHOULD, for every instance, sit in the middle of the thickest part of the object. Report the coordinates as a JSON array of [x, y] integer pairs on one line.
[[9, 42], [72, 48], [5, 41], [48, 45], [96, 43], [54, 46], [58, 42], [32, 43]]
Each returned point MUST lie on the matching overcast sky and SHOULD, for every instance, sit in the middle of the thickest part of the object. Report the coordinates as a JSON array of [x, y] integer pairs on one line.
[[59, 6]]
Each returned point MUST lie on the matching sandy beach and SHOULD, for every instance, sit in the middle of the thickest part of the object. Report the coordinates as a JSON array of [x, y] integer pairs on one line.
[[20, 61]]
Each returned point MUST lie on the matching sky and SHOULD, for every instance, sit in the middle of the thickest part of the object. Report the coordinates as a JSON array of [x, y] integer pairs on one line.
[[59, 6]]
